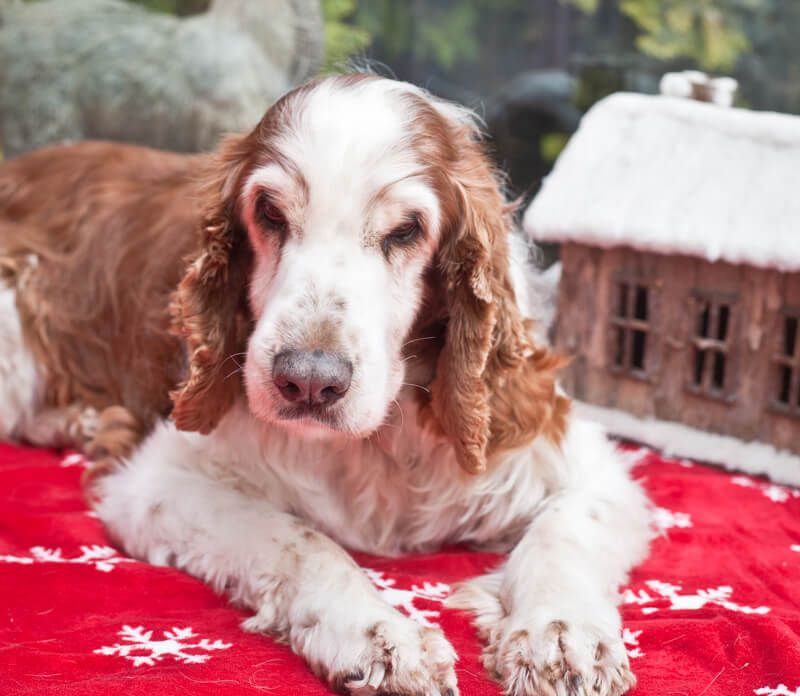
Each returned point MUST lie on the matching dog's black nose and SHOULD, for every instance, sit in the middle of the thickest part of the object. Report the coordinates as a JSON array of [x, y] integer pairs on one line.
[[315, 377]]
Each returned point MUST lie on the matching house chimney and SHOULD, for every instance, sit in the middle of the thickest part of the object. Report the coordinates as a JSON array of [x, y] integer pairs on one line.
[[693, 84]]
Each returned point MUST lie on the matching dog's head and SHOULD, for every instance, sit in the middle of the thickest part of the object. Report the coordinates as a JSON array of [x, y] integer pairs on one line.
[[360, 215]]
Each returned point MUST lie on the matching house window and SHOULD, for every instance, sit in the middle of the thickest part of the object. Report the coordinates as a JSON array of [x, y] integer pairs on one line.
[[787, 366], [630, 326], [711, 346]]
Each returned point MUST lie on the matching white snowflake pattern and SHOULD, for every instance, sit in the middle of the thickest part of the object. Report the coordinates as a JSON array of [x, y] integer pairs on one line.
[[719, 596], [795, 547], [780, 690], [75, 459], [404, 599], [665, 519], [776, 493], [631, 640], [103, 558], [141, 649]]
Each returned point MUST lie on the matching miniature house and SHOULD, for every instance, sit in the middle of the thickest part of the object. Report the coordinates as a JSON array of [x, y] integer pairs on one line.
[[679, 300]]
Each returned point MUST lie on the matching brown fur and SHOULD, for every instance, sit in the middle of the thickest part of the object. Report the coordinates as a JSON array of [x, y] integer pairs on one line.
[[117, 434], [109, 225], [139, 294], [494, 390], [209, 309]]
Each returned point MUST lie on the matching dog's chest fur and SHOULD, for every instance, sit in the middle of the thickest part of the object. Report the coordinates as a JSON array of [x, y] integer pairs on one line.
[[350, 489]]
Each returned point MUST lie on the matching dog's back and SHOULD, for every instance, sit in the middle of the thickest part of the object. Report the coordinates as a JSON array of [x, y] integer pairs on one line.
[[93, 239]]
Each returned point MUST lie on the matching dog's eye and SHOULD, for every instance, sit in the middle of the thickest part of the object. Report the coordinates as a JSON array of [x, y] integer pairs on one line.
[[273, 215], [270, 215], [402, 234]]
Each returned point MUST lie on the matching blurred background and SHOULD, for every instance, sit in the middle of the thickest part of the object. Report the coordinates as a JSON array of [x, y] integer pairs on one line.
[[530, 67]]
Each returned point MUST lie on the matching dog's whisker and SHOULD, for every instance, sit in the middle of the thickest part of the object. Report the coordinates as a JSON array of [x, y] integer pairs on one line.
[[238, 369], [387, 421], [414, 340], [233, 357], [402, 415], [418, 386]]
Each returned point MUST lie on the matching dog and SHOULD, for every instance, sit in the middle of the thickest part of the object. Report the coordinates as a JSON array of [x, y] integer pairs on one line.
[[334, 312]]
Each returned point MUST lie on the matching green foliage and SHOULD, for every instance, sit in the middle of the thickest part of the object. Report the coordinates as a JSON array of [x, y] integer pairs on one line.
[[471, 42], [709, 31], [179, 7], [588, 6], [449, 35], [596, 82], [385, 21], [712, 33], [551, 145], [445, 33], [343, 38]]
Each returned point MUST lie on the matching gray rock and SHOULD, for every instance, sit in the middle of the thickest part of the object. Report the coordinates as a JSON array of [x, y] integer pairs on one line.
[[107, 69]]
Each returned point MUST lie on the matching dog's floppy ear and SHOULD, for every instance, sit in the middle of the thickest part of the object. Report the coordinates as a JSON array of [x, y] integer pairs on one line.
[[494, 389], [209, 310]]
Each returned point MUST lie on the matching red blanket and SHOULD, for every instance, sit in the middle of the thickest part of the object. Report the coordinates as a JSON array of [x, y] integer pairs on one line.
[[713, 612]]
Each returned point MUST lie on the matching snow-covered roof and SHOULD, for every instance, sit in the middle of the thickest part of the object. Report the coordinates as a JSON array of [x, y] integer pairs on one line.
[[677, 176]]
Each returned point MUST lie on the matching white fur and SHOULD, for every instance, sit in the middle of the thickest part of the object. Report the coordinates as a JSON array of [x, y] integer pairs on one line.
[[333, 252], [20, 386], [572, 519], [249, 492], [260, 510]]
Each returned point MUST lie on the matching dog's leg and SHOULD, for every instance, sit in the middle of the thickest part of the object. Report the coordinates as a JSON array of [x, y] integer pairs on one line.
[[303, 587], [549, 616], [70, 426]]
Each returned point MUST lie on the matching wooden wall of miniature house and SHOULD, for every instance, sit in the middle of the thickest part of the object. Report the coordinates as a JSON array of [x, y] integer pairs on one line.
[[679, 296], [712, 345]]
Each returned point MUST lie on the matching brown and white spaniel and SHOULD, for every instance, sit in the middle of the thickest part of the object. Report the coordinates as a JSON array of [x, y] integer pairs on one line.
[[324, 335]]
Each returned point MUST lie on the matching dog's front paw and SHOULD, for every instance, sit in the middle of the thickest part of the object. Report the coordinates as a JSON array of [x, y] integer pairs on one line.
[[399, 656], [371, 653], [560, 658]]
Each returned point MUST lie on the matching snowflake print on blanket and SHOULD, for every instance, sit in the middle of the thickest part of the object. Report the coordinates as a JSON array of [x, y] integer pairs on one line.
[[776, 493], [141, 649], [719, 596], [404, 599], [664, 519], [75, 459], [780, 690], [103, 558], [631, 640]]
